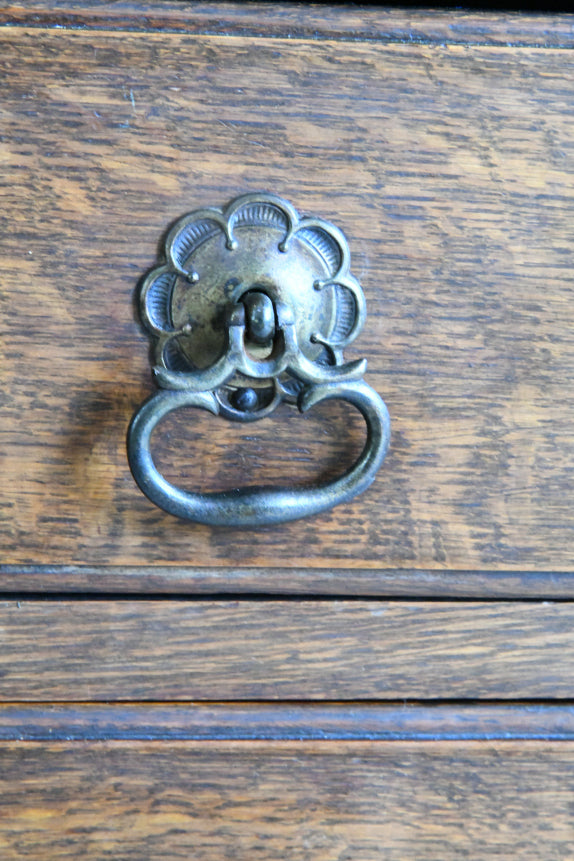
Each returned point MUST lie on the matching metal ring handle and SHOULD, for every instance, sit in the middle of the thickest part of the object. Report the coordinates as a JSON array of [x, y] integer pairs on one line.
[[254, 306], [258, 506]]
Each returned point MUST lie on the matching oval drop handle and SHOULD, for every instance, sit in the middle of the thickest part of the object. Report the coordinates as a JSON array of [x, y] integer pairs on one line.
[[254, 306], [257, 506]]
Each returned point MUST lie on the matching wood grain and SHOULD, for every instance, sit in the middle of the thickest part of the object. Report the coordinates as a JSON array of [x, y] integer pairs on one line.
[[271, 650], [286, 721], [300, 21], [58, 580], [449, 167], [315, 801]]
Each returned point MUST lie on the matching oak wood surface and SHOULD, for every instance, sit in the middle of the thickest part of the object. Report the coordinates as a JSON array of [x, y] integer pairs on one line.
[[449, 167], [280, 721], [54, 580], [441, 143], [314, 801], [270, 650], [300, 21]]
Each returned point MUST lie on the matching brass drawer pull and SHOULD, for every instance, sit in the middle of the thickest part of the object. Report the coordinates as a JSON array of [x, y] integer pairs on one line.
[[254, 307]]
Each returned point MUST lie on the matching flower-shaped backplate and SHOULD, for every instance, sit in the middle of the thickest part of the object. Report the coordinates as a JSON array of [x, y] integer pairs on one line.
[[258, 243]]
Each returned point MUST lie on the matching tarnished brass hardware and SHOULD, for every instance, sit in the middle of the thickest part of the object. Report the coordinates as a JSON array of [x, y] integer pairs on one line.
[[253, 307]]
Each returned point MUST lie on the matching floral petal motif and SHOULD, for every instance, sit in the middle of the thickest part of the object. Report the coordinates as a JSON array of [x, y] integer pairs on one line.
[[155, 298], [299, 262]]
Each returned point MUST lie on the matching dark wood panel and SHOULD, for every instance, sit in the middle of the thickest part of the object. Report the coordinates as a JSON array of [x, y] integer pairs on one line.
[[285, 721], [315, 801], [316, 650], [450, 169], [301, 20]]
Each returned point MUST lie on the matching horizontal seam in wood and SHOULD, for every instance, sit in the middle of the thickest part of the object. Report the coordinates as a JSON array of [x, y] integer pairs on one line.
[[285, 722], [247, 33], [260, 598], [176, 582]]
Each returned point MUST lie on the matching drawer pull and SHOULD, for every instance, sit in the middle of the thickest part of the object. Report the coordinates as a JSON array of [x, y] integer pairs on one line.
[[253, 307]]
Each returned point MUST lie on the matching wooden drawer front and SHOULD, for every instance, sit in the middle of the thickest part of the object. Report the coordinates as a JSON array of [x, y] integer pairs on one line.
[[318, 802], [103, 651], [388, 720], [449, 167]]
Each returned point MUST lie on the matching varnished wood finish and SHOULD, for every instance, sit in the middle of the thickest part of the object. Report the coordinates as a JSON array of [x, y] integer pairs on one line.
[[315, 801], [285, 721], [22, 580], [449, 168], [158, 727], [314, 21], [316, 650]]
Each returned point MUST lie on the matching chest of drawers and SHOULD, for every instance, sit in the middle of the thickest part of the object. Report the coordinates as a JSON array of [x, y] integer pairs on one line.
[[391, 679]]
